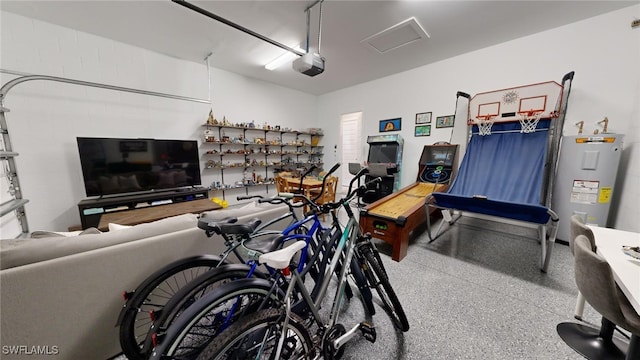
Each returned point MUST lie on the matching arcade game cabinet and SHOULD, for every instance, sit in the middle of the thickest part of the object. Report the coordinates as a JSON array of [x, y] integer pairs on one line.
[[395, 217], [438, 163], [384, 149]]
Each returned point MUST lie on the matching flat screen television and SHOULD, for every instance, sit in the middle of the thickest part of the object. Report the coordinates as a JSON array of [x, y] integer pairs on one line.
[[118, 166]]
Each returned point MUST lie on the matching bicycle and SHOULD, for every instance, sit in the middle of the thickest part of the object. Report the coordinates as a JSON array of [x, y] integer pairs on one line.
[[225, 309], [204, 313], [150, 297]]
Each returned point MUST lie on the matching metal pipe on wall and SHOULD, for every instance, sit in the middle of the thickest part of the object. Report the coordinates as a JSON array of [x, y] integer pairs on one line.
[[10, 84]]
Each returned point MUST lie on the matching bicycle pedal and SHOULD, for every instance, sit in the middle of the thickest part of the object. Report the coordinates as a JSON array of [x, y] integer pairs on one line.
[[368, 331]]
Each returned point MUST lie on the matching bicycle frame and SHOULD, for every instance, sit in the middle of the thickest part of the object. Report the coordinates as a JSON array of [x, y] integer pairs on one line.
[[348, 241], [307, 238], [336, 246], [288, 236], [233, 244]]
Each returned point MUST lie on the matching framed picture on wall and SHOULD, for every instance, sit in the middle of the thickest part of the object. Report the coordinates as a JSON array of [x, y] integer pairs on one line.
[[423, 118], [391, 125], [423, 130], [445, 121]]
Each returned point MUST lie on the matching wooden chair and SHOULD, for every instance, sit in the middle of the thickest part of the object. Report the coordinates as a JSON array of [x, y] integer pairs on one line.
[[282, 185], [285, 186]]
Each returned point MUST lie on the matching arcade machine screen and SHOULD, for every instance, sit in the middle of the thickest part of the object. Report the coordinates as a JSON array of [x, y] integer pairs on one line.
[[383, 153], [441, 156], [436, 165]]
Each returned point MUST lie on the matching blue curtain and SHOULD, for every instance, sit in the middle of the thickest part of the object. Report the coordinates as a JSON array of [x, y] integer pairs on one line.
[[505, 167]]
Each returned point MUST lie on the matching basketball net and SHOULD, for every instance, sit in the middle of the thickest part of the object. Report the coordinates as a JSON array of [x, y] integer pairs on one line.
[[485, 123], [529, 121]]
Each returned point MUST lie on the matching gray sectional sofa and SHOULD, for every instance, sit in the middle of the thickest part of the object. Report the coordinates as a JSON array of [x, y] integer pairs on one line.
[[62, 295]]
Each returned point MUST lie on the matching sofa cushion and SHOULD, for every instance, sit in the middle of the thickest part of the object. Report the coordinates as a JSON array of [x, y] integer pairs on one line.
[[116, 227], [230, 212], [45, 234], [36, 250]]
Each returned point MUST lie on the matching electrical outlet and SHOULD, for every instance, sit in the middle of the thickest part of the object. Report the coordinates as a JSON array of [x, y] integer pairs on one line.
[[635, 23]]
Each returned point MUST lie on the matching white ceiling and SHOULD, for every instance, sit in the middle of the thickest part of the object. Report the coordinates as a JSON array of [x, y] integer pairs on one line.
[[455, 27]]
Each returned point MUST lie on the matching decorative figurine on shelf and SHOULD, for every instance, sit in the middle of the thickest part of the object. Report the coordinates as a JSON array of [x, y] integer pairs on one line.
[[208, 136], [252, 125], [211, 120], [225, 122]]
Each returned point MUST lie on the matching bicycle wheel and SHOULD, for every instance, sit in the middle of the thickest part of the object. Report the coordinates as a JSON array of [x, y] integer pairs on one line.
[[363, 286], [201, 322], [152, 295], [376, 275], [195, 290], [257, 337]]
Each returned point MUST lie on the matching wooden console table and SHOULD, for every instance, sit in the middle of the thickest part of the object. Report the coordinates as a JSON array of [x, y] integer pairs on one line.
[[157, 212]]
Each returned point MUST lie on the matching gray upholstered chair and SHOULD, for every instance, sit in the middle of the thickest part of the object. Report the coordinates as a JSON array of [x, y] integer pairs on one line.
[[578, 227], [596, 283]]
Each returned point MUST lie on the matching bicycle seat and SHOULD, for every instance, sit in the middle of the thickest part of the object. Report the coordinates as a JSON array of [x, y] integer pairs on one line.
[[280, 259], [264, 245], [228, 226]]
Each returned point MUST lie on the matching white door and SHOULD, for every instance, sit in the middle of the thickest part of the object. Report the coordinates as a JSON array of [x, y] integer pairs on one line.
[[351, 140]]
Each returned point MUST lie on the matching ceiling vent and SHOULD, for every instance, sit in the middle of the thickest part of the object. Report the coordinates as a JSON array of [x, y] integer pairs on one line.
[[396, 36]]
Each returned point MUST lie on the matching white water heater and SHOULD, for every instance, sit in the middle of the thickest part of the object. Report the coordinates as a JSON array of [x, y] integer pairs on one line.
[[585, 179]]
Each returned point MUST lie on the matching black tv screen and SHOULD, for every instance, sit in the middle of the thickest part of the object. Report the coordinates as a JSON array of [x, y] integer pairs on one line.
[[117, 166], [383, 153]]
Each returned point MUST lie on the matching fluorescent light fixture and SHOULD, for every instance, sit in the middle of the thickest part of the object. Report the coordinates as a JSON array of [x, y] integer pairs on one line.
[[283, 59]]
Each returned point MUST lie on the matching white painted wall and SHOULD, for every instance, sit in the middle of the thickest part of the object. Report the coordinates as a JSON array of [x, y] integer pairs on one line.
[[46, 118], [603, 51]]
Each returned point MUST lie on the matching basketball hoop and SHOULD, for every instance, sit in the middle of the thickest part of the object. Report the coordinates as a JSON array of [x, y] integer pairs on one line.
[[529, 121], [485, 122]]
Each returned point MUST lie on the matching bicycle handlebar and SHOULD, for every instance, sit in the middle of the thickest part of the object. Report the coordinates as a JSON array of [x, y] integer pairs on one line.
[[333, 169], [245, 197], [324, 179], [285, 197], [313, 167], [325, 208], [281, 198]]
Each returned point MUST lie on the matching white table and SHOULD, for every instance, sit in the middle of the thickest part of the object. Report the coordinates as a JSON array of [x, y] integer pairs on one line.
[[626, 270]]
